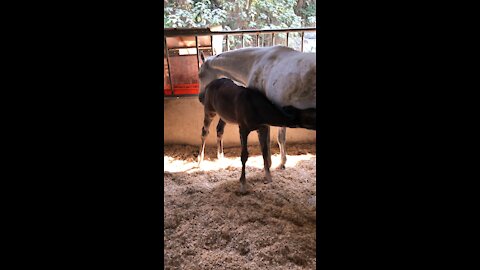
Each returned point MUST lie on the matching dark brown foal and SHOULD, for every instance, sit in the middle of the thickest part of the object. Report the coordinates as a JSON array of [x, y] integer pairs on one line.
[[251, 110]]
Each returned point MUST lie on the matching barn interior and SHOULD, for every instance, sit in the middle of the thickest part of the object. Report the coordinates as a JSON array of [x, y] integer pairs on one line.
[[208, 224]]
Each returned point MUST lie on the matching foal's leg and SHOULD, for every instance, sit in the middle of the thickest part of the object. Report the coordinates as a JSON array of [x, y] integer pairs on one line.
[[220, 127], [205, 130], [282, 138], [264, 139], [243, 139]]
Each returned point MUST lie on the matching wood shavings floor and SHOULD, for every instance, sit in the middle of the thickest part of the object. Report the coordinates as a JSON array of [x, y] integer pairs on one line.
[[209, 225]]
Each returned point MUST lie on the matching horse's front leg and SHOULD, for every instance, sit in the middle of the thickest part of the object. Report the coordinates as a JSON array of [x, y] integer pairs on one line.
[[220, 128], [243, 139], [264, 139], [282, 138], [205, 130]]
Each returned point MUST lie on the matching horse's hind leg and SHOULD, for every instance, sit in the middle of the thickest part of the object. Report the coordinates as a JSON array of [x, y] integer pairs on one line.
[[264, 139], [282, 138], [220, 128], [205, 130], [243, 139]]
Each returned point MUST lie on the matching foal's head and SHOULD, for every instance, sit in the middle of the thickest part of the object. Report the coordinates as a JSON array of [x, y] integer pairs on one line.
[[306, 118], [206, 75]]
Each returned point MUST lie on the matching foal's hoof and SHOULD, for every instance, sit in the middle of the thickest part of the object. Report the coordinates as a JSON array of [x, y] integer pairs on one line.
[[267, 180], [241, 192], [243, 189], [281, 167]]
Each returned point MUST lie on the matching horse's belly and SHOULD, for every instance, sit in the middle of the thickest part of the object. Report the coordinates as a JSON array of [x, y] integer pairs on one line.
[[229, 120], [227, 115]]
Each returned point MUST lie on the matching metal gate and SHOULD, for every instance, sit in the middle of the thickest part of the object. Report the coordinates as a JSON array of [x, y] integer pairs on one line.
[[183, 47]]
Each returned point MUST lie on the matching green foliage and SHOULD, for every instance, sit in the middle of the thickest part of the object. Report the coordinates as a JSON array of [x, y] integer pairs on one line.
[[194, 14], [239, 14]]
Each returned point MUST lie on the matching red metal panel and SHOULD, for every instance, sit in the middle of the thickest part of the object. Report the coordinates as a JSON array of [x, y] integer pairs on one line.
[[183, 89], [184, 73]]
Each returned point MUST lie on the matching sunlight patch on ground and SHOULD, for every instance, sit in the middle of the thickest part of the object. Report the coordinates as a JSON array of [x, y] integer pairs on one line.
[[176, 165]]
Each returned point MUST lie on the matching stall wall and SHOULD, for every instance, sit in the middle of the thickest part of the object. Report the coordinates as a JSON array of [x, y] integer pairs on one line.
[[183, 121]]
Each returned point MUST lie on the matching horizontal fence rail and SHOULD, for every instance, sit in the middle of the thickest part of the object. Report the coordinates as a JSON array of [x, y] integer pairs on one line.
[[208, 32], [191, 90]]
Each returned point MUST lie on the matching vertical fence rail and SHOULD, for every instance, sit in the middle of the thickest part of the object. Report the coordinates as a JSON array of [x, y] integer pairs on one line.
[[226, 43], [168, 65], [198, 53], [303, 35], [211, 43]]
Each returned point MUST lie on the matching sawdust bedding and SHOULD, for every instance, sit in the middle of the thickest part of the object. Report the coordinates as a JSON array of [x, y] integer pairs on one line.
[[209, 225]]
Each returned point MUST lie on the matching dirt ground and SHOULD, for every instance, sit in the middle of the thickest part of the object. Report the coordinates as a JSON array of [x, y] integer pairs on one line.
[[208, 224]]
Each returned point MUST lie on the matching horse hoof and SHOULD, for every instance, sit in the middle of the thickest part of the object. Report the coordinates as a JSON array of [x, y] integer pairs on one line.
[[268, 179], [281, 167], [312, 201], [243, 189]]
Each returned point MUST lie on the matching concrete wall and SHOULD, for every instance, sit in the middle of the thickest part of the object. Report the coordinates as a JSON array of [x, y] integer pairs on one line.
[[183, 122]]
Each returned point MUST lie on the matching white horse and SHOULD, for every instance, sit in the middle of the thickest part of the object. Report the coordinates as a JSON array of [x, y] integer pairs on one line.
[[287, 77]]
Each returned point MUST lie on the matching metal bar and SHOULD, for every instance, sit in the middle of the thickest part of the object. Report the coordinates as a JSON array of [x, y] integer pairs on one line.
[[207, 32], [182, 96], [168, 65], [303, 34], [243, 42], [257, 38], [273, 39], [171, 32], [211, 45], [287, 38], [194, 47], [265, 31], [198, 53], [226, 42]]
